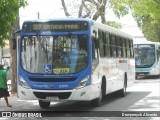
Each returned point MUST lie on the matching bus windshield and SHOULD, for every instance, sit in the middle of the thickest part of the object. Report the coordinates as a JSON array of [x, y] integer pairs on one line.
[[58, 54], [144, 55]]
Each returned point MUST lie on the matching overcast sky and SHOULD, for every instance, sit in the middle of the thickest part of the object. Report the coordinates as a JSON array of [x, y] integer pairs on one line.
[[53, 9]]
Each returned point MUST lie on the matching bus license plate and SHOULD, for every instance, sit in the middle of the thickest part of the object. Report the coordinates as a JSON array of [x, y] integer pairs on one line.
[[52, 98], [61, 70]]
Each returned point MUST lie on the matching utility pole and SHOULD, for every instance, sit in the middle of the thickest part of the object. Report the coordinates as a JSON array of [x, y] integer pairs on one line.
[[14, 56]]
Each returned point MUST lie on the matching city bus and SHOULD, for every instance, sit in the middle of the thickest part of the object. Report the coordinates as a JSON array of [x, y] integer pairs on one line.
[[73, 59], [147, 61]]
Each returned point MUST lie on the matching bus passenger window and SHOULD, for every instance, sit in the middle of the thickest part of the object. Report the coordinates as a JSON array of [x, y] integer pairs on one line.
[[113, 46], [94, 49], [95, 55], [158, 52], [101, 43], [131, 47], [107, 45], [124, 47], [128, 48], [119, 48], [108, 51]]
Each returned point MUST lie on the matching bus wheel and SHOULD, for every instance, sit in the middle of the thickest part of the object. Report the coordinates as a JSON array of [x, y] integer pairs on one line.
[[122, 92], [43, 104], [98, 101]]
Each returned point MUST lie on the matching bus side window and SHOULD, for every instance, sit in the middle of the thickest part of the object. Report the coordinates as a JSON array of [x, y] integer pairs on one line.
[[119, 46], [128, 48], [113, 46], [104, 46], [104, 43], [95, 54], [159, 51], [124, 47], [107, 45], [94, 49], [131, 47], [101, 43]]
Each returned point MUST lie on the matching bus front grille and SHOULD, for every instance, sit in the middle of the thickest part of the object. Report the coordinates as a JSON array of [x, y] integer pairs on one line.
[[52, 79], [142, 73], [60, 95]]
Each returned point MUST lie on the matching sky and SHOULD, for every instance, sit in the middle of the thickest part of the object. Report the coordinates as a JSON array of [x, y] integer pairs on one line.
[[53, 9], [46, 8]]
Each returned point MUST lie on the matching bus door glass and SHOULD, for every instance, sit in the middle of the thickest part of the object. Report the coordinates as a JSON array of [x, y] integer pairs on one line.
[[95, 48]]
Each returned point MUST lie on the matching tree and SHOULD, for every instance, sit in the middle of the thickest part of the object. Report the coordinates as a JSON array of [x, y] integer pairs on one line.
[[114, 24], [9, 22], [9, 11], [146, 13], [93, 8]]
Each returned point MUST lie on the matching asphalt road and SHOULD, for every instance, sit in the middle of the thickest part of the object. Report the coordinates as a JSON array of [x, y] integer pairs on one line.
[[143, 98]]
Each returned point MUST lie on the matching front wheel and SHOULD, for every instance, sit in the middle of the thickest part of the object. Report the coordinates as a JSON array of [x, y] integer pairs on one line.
[[98, 101], [43, 104]]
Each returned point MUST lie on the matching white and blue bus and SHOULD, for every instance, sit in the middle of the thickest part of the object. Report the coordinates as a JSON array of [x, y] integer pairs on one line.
[[147, 59], [73, 59]]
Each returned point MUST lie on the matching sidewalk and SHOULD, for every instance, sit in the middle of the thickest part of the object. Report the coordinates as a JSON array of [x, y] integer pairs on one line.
[[17, 104], [12, 99], [20, 105]]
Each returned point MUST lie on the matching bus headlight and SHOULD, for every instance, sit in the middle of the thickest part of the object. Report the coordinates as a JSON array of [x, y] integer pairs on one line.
[[23, 82], [83, 82], [153, 69]]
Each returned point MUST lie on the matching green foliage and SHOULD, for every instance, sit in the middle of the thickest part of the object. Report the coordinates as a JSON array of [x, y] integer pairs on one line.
[[8, 14], [146, 13], [96, 8], [119, 7], [114, 24]]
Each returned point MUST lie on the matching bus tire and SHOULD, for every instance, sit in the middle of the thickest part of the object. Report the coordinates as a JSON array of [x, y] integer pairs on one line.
[[98, 101], [43, 104], [122, 92]]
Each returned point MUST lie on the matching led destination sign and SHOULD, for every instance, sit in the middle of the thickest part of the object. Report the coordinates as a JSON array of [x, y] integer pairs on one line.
[[54, 26]]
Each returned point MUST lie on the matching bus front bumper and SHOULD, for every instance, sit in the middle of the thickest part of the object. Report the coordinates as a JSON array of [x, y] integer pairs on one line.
[[83, 94], [142, 74]]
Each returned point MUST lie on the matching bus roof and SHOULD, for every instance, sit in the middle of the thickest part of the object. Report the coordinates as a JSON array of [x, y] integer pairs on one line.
[[112, 30], [149, 42], [58, 19], [96, 24]]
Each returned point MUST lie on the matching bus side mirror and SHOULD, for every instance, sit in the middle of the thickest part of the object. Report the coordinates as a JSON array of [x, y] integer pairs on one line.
[[14, 43], [14, 40]]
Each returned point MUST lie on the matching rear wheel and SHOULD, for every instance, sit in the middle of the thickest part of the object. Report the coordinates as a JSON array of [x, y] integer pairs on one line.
[[43, 104], [122, 92]]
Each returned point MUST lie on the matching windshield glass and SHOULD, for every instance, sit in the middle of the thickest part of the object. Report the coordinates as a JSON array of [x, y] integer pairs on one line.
[[59, 54], [144, 55]]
